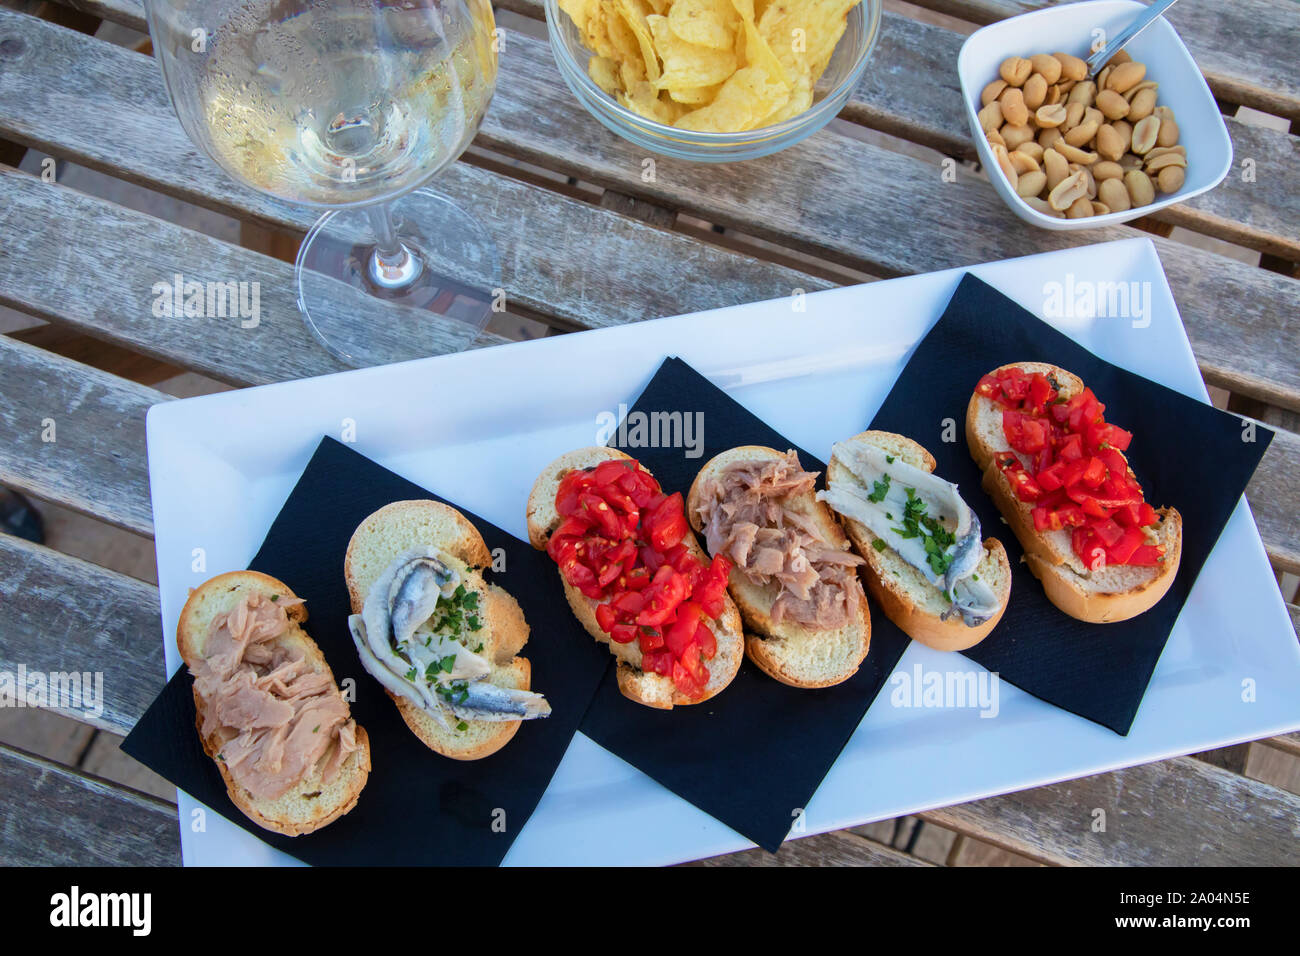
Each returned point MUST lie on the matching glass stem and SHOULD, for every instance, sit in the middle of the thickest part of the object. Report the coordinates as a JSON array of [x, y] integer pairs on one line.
[[392, 264]]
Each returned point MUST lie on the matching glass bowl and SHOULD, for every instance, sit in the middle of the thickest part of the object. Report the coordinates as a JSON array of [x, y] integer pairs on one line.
[[847, 64]]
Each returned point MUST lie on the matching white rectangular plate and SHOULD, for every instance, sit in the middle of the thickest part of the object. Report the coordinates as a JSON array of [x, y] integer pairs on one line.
[[477, 427]]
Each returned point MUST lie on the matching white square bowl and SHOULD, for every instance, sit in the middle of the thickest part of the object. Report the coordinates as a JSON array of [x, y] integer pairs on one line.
[[1071, 28]]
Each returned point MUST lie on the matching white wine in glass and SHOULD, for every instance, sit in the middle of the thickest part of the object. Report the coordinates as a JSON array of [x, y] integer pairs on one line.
[[353, 105]]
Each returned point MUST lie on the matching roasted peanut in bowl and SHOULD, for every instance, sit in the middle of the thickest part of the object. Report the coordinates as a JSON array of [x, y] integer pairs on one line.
[[1066, 150]]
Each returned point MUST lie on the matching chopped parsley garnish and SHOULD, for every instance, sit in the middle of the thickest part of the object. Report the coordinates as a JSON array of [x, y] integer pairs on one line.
[[462, 726], [878, 490], [889, 459], [879, 544], [934, 536]]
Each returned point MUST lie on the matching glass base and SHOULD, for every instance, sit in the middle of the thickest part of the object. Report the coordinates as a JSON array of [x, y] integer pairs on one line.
[[438, 307]]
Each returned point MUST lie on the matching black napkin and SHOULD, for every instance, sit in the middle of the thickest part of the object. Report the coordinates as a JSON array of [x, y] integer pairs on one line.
[[418, 807], [752, 756], [1184, 452]]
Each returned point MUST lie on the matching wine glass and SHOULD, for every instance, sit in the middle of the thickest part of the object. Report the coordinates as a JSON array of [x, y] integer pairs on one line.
[[350, 105]]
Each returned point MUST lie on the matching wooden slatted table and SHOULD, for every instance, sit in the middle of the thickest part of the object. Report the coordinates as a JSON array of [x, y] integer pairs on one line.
[[568, 206]]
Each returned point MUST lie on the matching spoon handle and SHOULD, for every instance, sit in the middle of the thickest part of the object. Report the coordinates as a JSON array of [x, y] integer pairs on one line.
[[1098, 59]]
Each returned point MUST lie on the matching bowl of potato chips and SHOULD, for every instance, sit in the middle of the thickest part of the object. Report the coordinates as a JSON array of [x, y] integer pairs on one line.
[[713, 80]]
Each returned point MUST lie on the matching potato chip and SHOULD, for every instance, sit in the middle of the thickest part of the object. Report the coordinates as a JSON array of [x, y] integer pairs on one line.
[[635, 19], [757, 51], [710, 23], [605, 73], [747, 97], [803, 31], [644, 99], [695, 95], [580, 11], [688, 65]]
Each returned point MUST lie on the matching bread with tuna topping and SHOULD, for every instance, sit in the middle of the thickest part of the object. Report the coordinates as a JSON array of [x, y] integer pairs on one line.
[[311, 803], [650, 689], [792, 652], [397, 528], [1111, 593]]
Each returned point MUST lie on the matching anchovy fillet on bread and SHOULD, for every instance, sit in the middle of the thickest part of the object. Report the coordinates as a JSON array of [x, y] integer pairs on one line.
[[1114, 592], [269, 711], [440, 640], [795, 578], [644, 687], [948, 594]]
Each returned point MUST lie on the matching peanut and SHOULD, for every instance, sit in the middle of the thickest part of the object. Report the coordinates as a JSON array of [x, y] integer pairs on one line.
[[1022, 162], [1081, 208], [1140, 188], [1014, 135], [1031, 149], [1163, 161], [1035, 91], [1031, 183], [990, 116], [1145, 134], [1015, 70], [992, 92], [1075, 155], [1013, 106], [1170, 179], [1072, 68], [1046, 66], [1106, 169], [1142, 105], [1069, 190], [1082, 134], [1049, 117], [1126, 76], [1112, 105], [1168, 135], [1110, 145], [1055, 166], [1114, 194]]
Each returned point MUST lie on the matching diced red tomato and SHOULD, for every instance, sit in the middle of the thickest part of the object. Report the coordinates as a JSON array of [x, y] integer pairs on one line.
[[623, 543], [1077, 476]]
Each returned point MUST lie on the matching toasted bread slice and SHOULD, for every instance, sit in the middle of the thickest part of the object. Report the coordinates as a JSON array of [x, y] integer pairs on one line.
[[312, 803], [1113, 593], [650, 689], [789, 651], [902, 592], [403, 525]]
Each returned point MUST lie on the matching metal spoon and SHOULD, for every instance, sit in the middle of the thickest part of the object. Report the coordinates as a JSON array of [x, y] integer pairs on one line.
[[1099, 59]]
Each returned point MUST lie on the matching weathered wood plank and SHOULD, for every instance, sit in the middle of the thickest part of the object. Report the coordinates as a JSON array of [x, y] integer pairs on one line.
[[1245, 48], [1274, 496], [105, 107], [1180, 812], [55, 273], [911, 90], [840, 848], [105, 623], [54, 816], [843, 199], [75, 435]]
